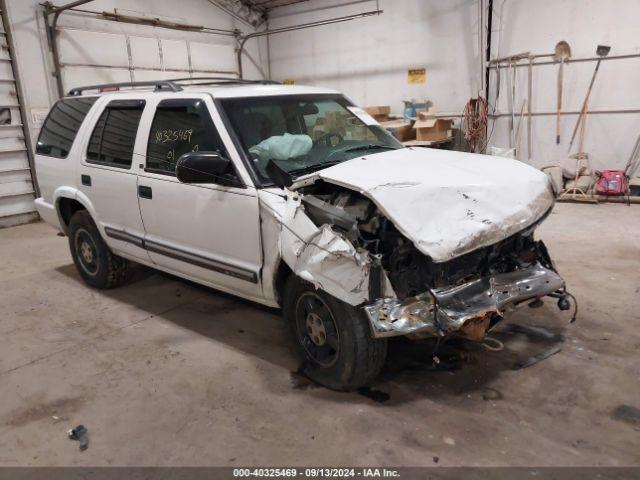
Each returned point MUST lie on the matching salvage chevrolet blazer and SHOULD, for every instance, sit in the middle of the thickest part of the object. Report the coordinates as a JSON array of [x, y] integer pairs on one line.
[[293, 197]]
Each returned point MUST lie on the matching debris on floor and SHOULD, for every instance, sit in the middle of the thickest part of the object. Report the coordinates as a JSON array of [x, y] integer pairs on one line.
[[81, 434], [491, 394], [300, 381], [627, 413], [538, 357]]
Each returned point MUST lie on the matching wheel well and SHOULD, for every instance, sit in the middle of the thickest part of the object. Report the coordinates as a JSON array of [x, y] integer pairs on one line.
[[282, 274], [67, 207]]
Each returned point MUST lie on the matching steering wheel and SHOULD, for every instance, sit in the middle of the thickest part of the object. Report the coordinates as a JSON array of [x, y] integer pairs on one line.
[[328, 139]]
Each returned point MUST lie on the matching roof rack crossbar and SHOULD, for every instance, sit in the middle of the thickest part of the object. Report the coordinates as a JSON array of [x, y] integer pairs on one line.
[[158, 84]]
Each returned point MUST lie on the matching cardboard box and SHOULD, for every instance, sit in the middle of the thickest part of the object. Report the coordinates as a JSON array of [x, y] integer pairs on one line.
[[400, 129], [380, 113], [336, 121], [355, 130], [319, 129], [431, 129]]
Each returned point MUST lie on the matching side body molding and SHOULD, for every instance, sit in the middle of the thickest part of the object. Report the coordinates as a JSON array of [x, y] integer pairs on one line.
[[183, 255]]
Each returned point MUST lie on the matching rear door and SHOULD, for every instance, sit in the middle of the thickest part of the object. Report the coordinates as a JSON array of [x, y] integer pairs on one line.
[[207, 232], [108, 174]]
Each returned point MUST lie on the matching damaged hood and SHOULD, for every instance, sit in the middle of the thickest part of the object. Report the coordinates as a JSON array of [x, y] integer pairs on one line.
[[447, 203]]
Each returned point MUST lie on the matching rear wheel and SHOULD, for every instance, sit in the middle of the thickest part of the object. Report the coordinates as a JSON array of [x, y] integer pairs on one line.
[[332, 339], [97, 265]]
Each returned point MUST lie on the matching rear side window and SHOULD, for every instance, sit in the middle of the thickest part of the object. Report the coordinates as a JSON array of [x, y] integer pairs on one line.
[[180, 126], [61, 126], [114, 135]]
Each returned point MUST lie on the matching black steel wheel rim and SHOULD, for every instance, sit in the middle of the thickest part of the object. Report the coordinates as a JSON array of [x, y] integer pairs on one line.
[[86, 251], [316, 329]]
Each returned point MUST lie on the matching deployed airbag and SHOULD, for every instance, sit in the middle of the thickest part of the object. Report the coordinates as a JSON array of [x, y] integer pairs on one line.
[[283, 147]]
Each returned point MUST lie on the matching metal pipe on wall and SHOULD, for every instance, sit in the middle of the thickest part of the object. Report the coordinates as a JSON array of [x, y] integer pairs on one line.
[[154, 22], [573, 112], [570, 60], [342, 4], [243, 39], [52, 34], [488, 50]]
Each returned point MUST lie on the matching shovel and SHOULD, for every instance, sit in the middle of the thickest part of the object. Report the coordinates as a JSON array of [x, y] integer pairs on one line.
[[602, 51], [562, 53]]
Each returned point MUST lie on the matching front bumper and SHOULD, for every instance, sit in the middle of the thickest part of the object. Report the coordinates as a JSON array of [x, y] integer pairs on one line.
[[465, 308]]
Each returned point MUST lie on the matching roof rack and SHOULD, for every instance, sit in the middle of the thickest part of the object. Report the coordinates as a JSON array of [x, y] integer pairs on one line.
[[158, 84], [174, 85]]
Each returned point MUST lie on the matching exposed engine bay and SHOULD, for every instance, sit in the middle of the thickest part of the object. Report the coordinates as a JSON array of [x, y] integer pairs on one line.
[[466, 295]]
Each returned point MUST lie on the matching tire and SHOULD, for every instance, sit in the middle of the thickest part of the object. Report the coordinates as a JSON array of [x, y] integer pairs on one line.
[[97, 265], [331, 338]]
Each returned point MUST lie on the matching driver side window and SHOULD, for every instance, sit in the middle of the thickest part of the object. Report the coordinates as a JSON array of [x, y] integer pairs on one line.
[[180, 126]]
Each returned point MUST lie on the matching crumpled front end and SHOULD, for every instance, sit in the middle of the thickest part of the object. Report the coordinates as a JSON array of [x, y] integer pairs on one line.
[[342, 242], [466, 309]]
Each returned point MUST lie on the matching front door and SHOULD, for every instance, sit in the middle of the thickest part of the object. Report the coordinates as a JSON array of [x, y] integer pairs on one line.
[[207, 232]]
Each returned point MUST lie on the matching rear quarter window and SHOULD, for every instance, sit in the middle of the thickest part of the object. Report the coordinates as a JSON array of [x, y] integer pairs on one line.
[[114, 135], [61, 126]]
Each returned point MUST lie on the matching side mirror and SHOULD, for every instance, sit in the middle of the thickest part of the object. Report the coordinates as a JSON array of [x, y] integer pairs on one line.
[[205, 167]]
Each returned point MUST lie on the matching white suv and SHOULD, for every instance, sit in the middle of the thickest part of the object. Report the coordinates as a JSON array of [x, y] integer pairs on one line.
[[292, 197]]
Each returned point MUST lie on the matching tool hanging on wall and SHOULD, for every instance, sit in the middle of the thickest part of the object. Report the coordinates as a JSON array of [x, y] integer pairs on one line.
[[602, 51], [634, 160], [529, 90], [519, 129], [562, 53], [512, 78], [581, 157]]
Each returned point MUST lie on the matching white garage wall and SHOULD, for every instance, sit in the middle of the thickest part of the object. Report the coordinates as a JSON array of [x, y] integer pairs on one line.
[[583, 24], [105, 43], [368, 58]]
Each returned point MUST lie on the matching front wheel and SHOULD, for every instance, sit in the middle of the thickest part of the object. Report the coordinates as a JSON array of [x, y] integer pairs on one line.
[[332, 339], [97, 264]]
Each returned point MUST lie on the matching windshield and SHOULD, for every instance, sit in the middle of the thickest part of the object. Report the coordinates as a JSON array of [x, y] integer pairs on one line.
[[304, 133]]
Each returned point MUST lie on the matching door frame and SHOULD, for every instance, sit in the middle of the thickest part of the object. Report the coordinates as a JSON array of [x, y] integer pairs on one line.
[[215, 262]]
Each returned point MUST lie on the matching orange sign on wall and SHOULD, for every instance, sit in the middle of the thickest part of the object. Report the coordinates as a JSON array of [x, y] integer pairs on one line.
[[417, 75]]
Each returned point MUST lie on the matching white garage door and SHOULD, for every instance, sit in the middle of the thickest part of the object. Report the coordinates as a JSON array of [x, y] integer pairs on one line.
[[90, 57]]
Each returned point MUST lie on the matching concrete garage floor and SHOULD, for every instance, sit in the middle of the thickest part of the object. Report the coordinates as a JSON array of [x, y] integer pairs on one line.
[[163, 372]]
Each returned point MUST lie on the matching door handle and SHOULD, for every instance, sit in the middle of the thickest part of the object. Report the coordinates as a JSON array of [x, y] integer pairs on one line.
[[145, 192], [86, 180]]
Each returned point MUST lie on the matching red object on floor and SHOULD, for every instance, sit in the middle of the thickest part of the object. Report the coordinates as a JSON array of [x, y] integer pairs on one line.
[[612, 182]]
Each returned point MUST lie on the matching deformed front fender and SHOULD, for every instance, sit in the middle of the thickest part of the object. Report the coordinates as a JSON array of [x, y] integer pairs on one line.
[[321, 255]]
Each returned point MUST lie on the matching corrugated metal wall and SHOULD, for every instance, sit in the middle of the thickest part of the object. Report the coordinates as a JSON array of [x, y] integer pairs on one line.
[[17, 189]]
